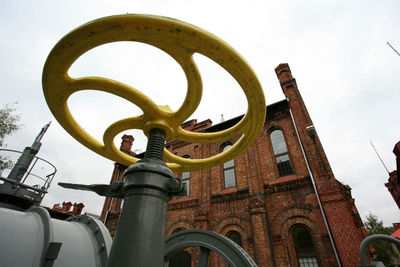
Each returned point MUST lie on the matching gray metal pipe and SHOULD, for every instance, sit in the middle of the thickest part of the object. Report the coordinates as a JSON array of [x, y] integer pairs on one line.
[[32, 238], [27, 157], [139, 237]]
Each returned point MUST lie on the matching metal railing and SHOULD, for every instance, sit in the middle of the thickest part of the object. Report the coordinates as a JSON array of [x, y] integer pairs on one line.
[[35, 179]]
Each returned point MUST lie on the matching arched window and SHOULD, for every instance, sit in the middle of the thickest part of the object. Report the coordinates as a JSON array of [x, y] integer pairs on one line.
[[181, 258], [236, 237], [281, 153], [304, 247], [229, 171], [185, 176]]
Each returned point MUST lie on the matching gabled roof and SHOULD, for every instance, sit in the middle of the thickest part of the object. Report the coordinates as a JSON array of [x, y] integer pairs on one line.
[[231, 122], [396, 234]]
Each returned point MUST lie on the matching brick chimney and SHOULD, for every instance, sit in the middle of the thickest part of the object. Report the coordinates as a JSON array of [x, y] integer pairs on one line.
[[396, 151], [77, 208], [66, 206], [126, 144]]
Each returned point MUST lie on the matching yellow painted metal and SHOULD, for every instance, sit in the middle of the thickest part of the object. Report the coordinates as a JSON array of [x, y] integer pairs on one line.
[[180, 40]]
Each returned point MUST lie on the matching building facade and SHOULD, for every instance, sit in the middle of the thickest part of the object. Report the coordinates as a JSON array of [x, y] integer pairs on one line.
[[393, 184], [64, 211], [279, 200]]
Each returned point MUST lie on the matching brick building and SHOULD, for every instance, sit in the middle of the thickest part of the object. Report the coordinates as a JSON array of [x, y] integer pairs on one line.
[[393, 184], [279, 200], [64, 211]]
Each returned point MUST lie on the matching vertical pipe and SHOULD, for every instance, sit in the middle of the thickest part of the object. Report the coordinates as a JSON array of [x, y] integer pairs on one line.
[[21, 166], [139, 237], [316, 193], [27, 156]]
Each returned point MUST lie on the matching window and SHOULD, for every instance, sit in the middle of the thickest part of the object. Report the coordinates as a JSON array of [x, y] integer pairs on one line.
[[229, 171], [186, 182], [236, 237], [281, 153], [185, 176], [304, 247]]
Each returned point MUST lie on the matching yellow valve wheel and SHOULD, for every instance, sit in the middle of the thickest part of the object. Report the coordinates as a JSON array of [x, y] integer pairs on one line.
[[180, 40]]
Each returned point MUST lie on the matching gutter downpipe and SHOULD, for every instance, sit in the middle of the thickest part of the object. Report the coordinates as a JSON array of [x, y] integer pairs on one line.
[[316, 193]]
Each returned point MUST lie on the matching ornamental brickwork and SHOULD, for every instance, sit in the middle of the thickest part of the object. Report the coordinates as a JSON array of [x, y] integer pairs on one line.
[[273, 206]]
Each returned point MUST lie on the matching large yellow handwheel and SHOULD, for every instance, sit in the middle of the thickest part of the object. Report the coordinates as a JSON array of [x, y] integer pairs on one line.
[[180, 40]]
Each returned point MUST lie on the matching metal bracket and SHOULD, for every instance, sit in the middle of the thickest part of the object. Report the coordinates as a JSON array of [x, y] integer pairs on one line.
[[52, 253], [176, 187], [113, 190], [116, 189]]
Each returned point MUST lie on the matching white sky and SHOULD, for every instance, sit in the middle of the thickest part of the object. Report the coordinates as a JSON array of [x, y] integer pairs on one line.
[[347, 74]]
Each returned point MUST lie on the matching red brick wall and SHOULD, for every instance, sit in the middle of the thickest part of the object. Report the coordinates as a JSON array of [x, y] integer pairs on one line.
[[342, 216], [393, 184], [394, 187]]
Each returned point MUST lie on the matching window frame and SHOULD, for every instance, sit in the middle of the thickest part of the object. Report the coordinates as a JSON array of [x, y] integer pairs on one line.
[[186, 180], [282, 169], [226, 169], [308, 258]]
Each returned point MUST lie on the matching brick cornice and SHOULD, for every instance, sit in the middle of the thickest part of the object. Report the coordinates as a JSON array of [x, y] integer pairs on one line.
[[287, 185], [238, 195], [184, 204], [173, 144]]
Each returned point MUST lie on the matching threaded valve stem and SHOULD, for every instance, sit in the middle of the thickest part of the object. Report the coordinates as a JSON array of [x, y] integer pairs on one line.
[[155, 144]]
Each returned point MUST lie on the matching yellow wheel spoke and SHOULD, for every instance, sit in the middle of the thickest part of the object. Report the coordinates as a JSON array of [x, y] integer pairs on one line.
[[111, 151], [122, 90], [195, 137], [194, 92]]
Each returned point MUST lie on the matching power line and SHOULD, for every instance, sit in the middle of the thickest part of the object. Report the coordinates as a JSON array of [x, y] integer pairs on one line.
[[379, 95], [393, 48]]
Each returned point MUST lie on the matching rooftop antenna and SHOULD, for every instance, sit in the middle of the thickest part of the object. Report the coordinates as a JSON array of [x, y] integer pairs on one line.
[[23, 163], [393, 48], [379, 157], [15, 192]]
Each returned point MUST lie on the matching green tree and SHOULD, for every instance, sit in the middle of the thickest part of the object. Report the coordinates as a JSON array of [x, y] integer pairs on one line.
[[384, 250], [8, 125]]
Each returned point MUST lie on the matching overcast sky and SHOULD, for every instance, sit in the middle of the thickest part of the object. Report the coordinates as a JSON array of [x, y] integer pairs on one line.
[[347, 74]]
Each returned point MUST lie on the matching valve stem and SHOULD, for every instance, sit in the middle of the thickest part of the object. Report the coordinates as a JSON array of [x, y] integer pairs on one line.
[[155, 144]]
